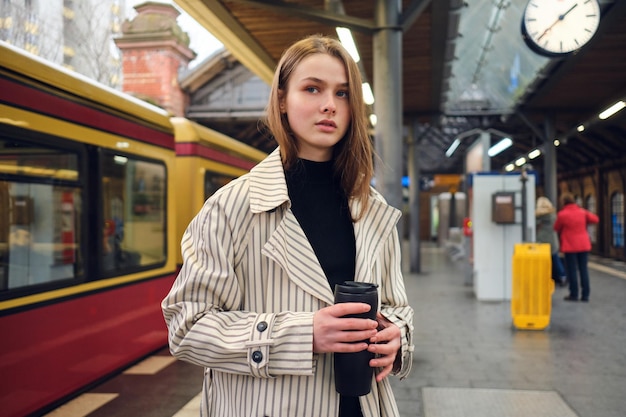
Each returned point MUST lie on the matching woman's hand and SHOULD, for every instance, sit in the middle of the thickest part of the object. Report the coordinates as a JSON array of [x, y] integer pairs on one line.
[[334, 333], [385, 344]]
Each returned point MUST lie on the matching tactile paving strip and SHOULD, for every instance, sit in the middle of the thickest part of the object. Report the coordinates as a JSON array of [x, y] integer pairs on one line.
[[478, 402]]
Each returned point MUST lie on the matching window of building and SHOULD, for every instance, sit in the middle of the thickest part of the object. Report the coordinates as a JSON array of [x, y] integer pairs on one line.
[[617, 220], [592, 229]]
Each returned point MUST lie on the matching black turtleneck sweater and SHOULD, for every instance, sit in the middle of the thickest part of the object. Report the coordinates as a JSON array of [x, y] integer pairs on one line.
[[321, 208]]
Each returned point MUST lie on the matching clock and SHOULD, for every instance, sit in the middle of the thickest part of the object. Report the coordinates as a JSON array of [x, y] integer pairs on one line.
[[556, 28]]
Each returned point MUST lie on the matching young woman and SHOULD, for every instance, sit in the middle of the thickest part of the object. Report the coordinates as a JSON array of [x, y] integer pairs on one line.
[[253, 303]]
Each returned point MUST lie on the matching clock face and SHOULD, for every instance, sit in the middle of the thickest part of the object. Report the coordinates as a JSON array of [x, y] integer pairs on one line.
[[559, 27]]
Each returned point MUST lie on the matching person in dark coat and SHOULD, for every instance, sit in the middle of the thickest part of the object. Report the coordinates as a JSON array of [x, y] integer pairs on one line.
[[571, 225], [545, 214]]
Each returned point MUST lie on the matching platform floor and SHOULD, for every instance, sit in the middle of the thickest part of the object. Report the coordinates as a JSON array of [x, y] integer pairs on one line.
[[469, 360]]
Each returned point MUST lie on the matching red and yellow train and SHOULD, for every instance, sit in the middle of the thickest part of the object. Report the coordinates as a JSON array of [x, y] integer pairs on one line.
[[96, 188]]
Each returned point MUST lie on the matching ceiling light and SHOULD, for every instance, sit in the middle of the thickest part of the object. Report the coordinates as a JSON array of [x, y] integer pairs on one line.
[[556, 142], [373, 119], [368, 96], [345, 36], [534, 153], [499, 147], [580, 128], [520, 161], [453, 147], [509, 167], [612, 110]]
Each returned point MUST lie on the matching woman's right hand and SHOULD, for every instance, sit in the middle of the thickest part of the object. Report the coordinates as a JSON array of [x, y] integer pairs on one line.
[[332, 332]]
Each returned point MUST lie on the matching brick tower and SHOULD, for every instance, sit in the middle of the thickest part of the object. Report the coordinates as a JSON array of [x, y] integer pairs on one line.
[[154, 48]]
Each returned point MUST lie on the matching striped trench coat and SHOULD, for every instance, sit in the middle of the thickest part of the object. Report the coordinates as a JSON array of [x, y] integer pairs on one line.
[[242, 305]]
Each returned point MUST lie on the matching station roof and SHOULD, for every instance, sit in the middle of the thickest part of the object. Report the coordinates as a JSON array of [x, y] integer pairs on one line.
[[465, 69]]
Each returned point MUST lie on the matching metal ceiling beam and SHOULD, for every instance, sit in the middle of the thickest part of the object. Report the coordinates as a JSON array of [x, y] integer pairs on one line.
[[215, 18], [412, 13], [613, 135], [592, 146]]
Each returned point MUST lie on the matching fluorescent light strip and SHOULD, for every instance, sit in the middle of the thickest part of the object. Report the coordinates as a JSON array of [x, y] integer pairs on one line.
[[368, 96], [345, 36], [612, 110], [499, 147], [453, 147], [534, 153]]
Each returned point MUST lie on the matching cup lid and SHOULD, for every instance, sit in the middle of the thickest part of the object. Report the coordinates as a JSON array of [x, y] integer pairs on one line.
[[354, 287]]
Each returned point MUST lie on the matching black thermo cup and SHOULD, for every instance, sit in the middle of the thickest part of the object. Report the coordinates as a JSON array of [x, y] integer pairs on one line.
[[353, 374]]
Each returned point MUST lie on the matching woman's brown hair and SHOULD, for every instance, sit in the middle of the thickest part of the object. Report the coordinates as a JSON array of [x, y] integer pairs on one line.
[[354, 152]]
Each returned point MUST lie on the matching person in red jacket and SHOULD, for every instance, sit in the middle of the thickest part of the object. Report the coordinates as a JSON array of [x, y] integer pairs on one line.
[[571, 225]]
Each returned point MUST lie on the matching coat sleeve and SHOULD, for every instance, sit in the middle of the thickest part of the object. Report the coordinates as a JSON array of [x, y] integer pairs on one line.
[[206, 324], [394, 302], [591, 217]]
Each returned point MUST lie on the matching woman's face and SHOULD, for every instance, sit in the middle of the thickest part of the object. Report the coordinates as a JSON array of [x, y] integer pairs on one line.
[[317, 105]]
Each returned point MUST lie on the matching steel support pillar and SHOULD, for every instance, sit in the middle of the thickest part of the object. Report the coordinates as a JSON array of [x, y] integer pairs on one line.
[[485, 142], [549, 164], [414, 199], [387, 52]]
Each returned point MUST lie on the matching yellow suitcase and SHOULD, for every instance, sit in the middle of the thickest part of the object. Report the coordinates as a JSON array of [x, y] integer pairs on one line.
[[532, 287]]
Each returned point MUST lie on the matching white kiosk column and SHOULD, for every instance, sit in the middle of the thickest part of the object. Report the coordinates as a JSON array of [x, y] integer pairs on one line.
[[493, 242]]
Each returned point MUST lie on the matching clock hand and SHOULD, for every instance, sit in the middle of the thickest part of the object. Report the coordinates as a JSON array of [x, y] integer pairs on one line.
[[558, 19], [565, 14], [548, 28]]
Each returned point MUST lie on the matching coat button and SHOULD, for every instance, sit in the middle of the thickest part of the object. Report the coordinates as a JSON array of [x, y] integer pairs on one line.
[[257, 356], [262, 326]]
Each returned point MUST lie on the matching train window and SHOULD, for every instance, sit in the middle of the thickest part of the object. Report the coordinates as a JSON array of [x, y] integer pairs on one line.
[[39, 232], [134, 214], [30, 160], [213, 182], [617, 220]]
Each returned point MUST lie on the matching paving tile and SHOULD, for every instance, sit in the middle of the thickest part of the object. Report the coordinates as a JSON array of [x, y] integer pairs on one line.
[[462, 402]]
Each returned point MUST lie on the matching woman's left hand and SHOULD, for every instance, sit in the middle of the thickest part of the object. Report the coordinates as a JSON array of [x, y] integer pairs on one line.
[[385, 344]]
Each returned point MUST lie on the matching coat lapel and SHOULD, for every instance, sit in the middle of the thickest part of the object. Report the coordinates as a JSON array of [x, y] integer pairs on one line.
[[370, 232], [289, 247]]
